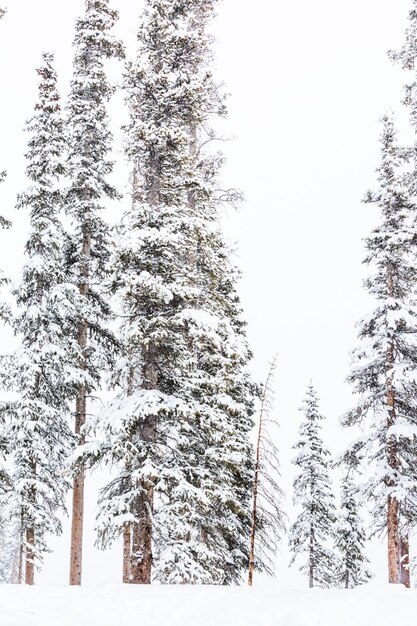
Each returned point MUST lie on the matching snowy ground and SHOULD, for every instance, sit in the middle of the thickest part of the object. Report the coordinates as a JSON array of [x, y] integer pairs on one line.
[[205, 606]]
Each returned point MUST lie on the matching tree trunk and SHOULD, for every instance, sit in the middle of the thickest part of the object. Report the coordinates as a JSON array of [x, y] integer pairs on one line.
[[392, 458], [141, 555], [127, 550], [28, 535], [311, 559], [30, 557], [80, 417], [77, 530], [255, 500], [393, 543], [405, 561], [263, 407], [21, 551], [392, 503]]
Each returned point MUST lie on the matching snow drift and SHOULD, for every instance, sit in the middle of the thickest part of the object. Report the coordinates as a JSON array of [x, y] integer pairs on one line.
[[205, 606]]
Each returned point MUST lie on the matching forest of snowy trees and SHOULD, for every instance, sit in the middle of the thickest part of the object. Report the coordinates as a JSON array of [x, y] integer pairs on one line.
[[143, 312]]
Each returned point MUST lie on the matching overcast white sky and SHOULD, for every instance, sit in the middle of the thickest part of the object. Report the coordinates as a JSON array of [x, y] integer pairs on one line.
[[308, 82]]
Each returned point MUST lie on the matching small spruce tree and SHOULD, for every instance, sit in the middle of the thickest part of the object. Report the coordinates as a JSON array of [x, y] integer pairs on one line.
[[313, 532], [350, 538]]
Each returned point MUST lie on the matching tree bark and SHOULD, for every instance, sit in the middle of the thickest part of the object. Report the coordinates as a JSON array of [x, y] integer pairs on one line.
[[80, 417], [255, 498], [30, 557], [127, 550], [405, 561], [393, 542], [263, 408], [21, 551], [392, 458], [141, 555], [311, 558], [28, 535], [77, 526]]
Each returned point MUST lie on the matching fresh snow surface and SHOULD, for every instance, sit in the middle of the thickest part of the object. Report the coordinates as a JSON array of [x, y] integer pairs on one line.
[[205, 606]]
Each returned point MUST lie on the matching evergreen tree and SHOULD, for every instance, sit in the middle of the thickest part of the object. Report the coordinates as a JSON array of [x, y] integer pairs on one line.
[[406, 57], [4, 314], [180, 426], [315, 524], [350, 538], [39, 372], [88, 252], [268, 518], [385, 360], [3, 222]]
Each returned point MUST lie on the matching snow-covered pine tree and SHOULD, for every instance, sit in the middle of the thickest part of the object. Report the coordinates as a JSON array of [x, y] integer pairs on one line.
[[216, 376], [4, 313], [89, 167], [386, 358], [39, 372], [406, 57], [182, 498], [350, 538], [3, 222], [268, 518], [313, 532]]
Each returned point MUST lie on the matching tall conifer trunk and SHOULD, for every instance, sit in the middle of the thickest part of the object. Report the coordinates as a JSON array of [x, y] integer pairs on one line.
[[127, 549], [141, 547], [30, 558], [257, 477], [392, 457], [255, 504], [29, 537], [21, 552], [311, 561], [80, 417], [141, 556], [393, 543]]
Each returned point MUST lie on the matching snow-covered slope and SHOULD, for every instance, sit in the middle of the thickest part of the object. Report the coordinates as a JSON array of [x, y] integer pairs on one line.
[[205, 606]]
